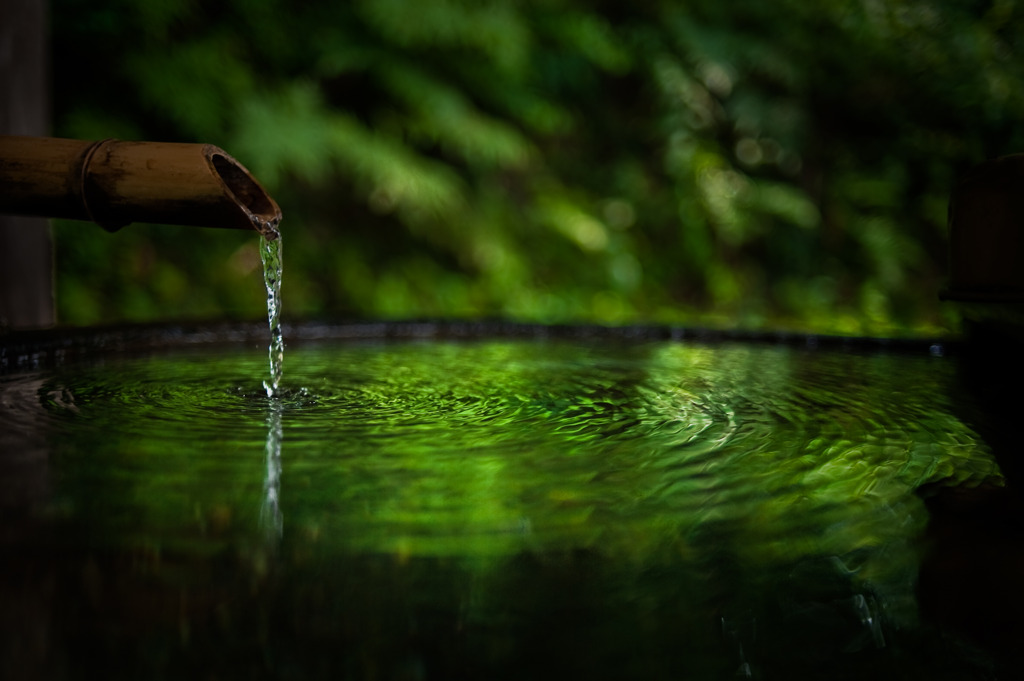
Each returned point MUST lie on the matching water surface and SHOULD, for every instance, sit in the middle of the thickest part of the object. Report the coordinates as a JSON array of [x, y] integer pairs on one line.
[[489, 509]]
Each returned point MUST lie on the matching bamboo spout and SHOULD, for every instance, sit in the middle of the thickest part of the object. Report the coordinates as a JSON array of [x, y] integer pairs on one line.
[[114, 183]]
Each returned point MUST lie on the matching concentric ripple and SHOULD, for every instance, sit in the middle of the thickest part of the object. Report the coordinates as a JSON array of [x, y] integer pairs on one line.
[[425, 447], [696, 483]]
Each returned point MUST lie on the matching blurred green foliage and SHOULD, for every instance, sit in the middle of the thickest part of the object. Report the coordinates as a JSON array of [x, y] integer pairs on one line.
[[724, 162]]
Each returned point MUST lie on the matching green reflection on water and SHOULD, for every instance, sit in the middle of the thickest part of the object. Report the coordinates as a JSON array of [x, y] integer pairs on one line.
[[668, 490]]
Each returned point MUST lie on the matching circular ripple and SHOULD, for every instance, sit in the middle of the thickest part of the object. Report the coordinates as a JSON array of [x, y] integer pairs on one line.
[[709, 474], [435, 441]]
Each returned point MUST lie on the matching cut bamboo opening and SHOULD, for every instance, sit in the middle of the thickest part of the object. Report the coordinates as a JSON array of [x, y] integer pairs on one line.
[[114, 183]]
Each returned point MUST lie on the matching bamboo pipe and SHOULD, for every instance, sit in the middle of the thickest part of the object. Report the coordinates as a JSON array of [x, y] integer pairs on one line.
[[114, 183]]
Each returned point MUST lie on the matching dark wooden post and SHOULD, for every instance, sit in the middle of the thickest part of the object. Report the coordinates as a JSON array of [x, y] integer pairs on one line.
[[26, 250]]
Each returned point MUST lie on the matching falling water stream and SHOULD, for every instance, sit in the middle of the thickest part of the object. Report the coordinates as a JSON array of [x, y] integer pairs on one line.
[[270, 511], [270, 255]]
